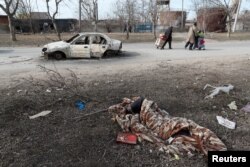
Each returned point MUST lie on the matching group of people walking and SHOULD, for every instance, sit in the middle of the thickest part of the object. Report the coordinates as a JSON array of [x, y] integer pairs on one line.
[[195, 38]]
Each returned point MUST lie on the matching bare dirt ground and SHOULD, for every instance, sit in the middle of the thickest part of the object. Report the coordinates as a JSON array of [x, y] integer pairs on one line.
[[66, 138]]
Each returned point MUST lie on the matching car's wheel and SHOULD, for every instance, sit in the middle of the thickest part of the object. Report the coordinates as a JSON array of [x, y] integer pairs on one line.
[[59, 55], [107, 53]]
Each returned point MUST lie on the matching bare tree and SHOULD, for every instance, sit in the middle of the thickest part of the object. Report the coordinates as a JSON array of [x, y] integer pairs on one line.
[[52, 15], [230, 10], [10, 8], [128, 11], [196, 5], [108, 23], [90, 11], [225, 4], [143, 6], [152, 10], [24, 12], [245, 16], [119, 12]]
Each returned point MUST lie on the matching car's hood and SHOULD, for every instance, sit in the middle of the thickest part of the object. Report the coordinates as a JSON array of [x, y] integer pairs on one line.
[[115, 42], [59, 44]]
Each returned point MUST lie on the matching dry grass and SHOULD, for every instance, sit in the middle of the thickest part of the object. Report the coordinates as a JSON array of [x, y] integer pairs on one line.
[[41, 39], [234, 36]]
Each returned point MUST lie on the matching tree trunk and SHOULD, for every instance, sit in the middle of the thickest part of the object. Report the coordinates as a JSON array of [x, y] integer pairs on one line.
[[154, 29], [127, 29], [31, 26], [229, 31], [12, 29], [56, 29], [95, 26], [229, 28]]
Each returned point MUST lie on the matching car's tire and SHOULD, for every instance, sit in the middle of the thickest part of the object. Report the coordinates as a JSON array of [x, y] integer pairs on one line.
[[59, 55], [107, 53]]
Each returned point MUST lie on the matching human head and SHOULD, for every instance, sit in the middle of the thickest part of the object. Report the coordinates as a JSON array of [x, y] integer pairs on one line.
[[195, 24]]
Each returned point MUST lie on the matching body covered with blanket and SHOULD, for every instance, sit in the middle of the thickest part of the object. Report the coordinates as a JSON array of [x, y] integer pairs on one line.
[[174, 135]]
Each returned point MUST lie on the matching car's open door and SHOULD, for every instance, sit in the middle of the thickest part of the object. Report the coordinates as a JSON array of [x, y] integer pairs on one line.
[[98, 46], [81, 47]]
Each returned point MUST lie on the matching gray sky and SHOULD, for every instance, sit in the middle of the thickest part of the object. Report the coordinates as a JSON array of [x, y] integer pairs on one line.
[[70, 9]]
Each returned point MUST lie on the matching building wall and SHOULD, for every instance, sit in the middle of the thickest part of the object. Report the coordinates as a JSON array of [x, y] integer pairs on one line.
[[212, 19], [45, 25], [4, 20], [4, 24], [171, 18]]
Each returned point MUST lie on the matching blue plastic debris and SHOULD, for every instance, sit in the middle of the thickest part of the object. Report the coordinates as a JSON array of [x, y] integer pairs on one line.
[[80, 105]]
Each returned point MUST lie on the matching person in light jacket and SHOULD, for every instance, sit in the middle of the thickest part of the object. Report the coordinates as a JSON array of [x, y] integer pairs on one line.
[[191, 36]]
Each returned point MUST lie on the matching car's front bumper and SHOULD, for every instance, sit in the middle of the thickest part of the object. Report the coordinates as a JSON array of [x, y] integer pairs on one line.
[[46, 55]]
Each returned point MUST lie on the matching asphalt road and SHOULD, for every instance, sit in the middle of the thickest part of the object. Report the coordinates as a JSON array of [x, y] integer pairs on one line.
[[20, 62]]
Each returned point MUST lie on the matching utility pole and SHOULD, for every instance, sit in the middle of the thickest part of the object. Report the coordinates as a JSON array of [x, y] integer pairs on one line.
[[80, 15], [182, 17], [236, 16]]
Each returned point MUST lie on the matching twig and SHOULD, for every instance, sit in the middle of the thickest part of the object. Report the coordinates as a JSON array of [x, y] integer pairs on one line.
[[90, 114]]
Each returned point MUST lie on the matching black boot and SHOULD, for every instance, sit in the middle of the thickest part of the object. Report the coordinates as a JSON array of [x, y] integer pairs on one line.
[[191, 46], [187, 45], [170, 43]]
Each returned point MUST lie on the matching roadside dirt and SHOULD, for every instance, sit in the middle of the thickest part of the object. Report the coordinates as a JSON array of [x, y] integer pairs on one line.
[[39, 40], [65, 138]]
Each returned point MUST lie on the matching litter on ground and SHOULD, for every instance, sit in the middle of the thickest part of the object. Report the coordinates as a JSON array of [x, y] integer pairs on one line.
[[41, 114], [48, 90], [80, 105], [225, 122], [246, 108], [233, 105], [18, 91], [146, 120], [217, 90], [128, 138]]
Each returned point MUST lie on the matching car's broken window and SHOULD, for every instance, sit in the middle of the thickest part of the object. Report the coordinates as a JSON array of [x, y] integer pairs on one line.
[[72, 38], [98, 40], [95, 39], [83, 41], [103, 41]]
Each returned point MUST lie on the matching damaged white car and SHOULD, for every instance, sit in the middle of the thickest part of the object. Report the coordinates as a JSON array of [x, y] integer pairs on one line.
[[83, 45]]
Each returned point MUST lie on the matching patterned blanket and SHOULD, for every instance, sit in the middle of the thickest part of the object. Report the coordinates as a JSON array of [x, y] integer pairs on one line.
[[174, 135]]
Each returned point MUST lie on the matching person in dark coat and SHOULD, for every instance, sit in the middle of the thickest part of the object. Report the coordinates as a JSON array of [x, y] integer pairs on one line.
[[168, 34]]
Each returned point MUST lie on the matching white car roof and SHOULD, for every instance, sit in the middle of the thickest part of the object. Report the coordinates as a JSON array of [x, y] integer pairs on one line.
[[94, 33]]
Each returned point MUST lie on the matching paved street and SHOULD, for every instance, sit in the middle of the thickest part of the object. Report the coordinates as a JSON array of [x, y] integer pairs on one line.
[[21, 62]]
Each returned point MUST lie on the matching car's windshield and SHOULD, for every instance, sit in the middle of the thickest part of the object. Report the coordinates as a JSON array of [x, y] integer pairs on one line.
[[72, 38]]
